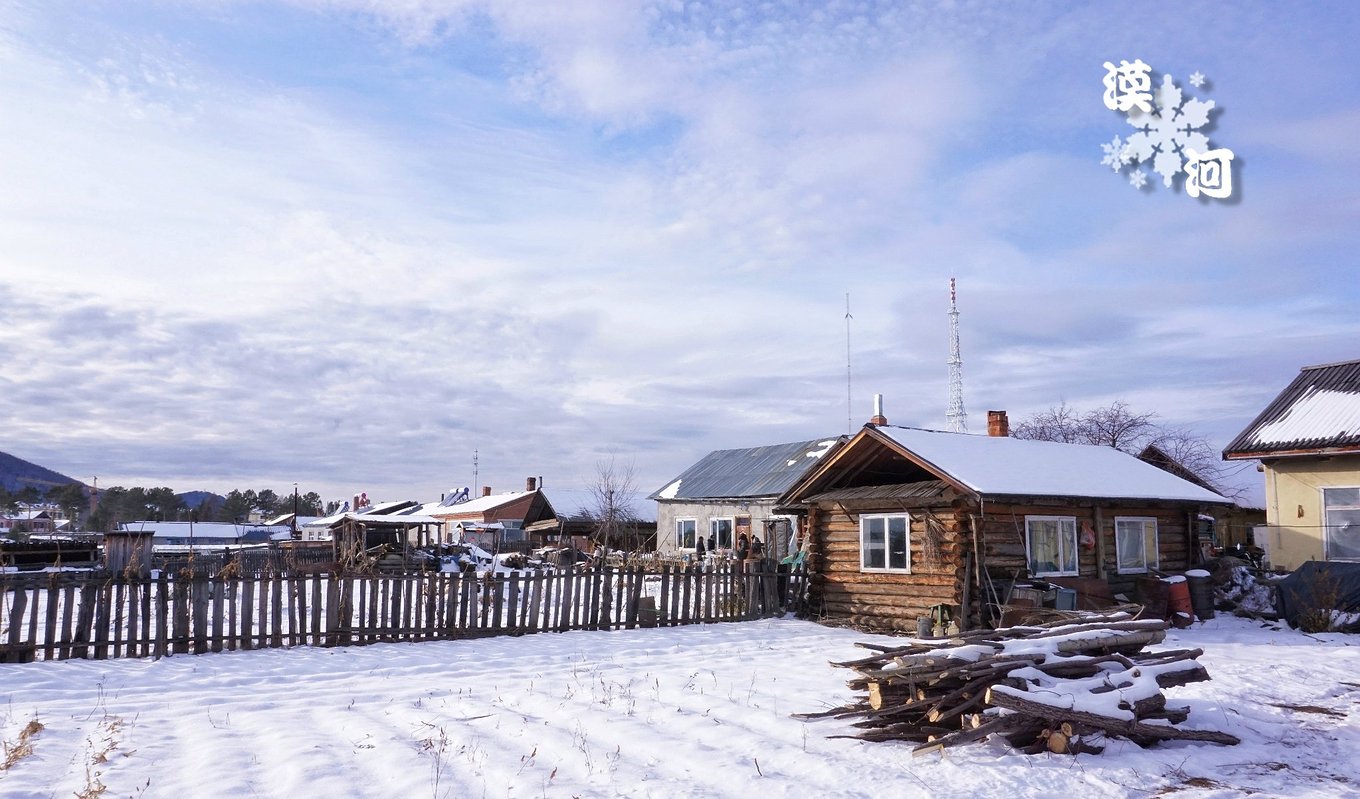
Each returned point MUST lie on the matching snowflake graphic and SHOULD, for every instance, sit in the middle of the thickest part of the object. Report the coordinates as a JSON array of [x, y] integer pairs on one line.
[[1197, 79], [1116, 154], [1162, 136], [1138, 178]]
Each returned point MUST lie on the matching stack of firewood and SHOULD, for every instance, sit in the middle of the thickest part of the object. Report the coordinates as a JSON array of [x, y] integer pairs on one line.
[[1060, 687]]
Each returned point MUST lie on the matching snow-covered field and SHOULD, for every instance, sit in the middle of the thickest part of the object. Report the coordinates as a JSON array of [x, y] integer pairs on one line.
[[686, 711]]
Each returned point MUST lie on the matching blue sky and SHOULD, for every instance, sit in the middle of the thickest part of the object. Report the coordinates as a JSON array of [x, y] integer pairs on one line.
[[348, 243]]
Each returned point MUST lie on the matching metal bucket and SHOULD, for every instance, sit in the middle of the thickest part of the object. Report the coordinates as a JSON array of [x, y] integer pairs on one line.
[[1201, 593], [1152, 595]]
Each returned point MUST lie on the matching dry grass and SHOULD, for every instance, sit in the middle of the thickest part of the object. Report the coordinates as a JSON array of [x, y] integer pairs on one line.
[[22, 747], [1326, 597]]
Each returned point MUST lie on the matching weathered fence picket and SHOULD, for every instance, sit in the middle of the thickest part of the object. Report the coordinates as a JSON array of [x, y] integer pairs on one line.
[[66, 616]]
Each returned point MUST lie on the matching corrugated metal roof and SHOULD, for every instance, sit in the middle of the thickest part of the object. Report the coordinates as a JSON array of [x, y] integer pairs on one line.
[[1319, 410], [752, 472], [926, 489]]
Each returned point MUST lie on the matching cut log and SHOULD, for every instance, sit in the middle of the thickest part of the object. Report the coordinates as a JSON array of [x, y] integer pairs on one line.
[[1129, 728], [946, 692]]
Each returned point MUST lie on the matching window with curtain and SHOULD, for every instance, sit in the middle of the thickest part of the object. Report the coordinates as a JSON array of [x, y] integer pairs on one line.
[[1051, 546], [1341, 511], [721, 530], [684, 533], [1135, 544]]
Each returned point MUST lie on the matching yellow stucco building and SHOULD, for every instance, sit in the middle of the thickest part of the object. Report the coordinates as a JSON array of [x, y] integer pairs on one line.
[[1308, 442]]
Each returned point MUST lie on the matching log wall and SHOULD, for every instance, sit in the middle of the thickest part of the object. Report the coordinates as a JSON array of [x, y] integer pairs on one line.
[[885, 600], [1002, 532], [893, 601]]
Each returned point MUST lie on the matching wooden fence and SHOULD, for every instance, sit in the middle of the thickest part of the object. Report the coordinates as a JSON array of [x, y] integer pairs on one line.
[[255, 560], [72, 615]]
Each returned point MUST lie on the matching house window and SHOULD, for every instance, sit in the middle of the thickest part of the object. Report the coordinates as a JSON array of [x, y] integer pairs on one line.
[[684, 533], [1341, 509], [884, 543], [1051, 546], [720, 532], [1135, 544]]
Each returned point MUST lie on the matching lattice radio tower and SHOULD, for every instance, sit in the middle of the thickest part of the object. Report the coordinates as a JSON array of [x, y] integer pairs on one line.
[[956, 416]]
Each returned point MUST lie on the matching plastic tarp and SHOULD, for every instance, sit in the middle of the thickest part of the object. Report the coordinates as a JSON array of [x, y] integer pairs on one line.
[[1317, 583]]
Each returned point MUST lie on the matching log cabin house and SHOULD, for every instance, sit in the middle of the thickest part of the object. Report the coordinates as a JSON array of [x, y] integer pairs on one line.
[[902, 520]]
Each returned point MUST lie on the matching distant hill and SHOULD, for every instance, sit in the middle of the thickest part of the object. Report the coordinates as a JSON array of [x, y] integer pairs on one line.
[[192, 499], [17, 473]]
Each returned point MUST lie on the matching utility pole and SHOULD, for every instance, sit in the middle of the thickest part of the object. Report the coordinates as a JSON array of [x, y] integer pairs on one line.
[[849, 404]]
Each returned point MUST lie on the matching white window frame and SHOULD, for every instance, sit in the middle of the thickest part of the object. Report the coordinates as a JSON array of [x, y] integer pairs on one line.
[[864, 535], [1326, 521], [680, 535], [731, 531], [1076, 554], [1153, 555]]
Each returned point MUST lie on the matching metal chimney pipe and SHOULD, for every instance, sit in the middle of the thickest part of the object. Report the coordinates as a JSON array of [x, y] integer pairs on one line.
[[878, 418]]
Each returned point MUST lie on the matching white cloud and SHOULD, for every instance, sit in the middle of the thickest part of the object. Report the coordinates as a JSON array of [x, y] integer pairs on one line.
[[549, 231]]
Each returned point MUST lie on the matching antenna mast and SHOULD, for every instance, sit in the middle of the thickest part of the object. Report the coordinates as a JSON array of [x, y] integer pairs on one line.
[[955, 415], [476, 489], [849, 407]]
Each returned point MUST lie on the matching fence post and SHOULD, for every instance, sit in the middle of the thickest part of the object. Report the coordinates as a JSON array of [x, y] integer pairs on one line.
[[199, 587], [332, 637], [276, 611], [99, 636], [162, 616], [50, 631], [16, 612], [607, 600]]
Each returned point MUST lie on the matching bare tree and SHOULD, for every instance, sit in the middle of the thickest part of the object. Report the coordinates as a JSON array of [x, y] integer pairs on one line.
[[612, 496], [1119, 426], [1114, 426]]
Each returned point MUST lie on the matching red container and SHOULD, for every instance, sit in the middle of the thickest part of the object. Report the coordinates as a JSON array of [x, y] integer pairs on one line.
[[1178, 603]]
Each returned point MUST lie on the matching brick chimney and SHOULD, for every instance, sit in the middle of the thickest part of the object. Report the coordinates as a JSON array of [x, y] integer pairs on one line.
[[878, 417], [998, 424], [486, 491], [530, 484]]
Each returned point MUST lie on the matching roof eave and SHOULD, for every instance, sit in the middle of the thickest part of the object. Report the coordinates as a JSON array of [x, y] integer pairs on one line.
[[1070, 497], [1301, 452], [741, 498]]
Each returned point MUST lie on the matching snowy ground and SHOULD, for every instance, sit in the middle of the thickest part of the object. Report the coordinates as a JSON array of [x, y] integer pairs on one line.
[[691, 711]]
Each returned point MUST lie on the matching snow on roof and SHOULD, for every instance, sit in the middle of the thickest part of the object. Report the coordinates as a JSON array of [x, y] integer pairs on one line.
[[1013, 466], [1319, 410], [483, 503], [394, 518], [203, 529], [1315, 412], [751, 472]]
